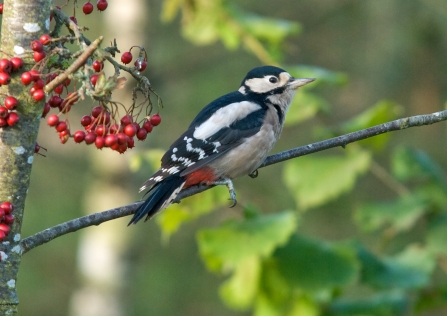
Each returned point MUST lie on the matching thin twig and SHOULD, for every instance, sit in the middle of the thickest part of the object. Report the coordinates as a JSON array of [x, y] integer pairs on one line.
[[98, 218], [78, 63]]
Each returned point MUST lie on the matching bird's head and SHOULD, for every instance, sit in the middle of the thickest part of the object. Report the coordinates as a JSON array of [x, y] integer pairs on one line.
[[271, 80], [274, 84]]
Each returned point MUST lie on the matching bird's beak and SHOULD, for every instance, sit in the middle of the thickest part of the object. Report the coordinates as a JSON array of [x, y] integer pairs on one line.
[[295, 83]]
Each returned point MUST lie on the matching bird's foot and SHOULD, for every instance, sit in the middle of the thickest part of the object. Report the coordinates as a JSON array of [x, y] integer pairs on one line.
[[254, 174], [230, 187]]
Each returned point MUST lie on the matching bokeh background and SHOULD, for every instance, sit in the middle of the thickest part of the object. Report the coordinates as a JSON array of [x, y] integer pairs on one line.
[[388, 49]]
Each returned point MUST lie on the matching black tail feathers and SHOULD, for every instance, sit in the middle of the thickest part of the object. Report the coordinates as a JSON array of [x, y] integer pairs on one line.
[[162, 195]]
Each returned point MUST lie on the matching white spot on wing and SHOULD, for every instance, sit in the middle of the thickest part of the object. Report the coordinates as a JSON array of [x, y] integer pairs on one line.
[[200, 151], [224, 117], [174, 150], [31, 27]]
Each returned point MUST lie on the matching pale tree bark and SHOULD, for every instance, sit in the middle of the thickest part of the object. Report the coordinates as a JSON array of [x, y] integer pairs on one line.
[[22, 22], [101, 251]]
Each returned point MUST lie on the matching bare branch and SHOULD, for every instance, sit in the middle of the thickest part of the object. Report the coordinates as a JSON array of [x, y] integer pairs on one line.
[[98, 218]]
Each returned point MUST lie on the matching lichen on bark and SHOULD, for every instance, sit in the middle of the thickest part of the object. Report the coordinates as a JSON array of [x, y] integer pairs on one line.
[[22, 22]]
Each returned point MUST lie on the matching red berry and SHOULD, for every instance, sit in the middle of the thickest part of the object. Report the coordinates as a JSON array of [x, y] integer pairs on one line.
[[126, 58], [26, 78], [98, 65], [131, 143], [64, 136], [2, 233], [94, 79], [111, 140], [55, 101], [11, 103], [35, 75], [99, 142], [38, 95], [3, 122], [38, 56], [155, 119], [73, 18], [115, 128], [12, 118], [130, 130], [148, 126], [8, 207], [141, 134], [127, 119], [3, 112], [87, 8], [101, 5], [101, 130], [86, 120], [2, 214], [36, 46], [46, 109], [122, 138], [96, 111], [4, 227], [53, 120], [5, 65], [39, 84], [67, 82], [44, 39], [59, 89], [90, 138], [140, 64], [16, 63], [4, 78], [79, 136], [8, 219], [61, 126], [1, 8]]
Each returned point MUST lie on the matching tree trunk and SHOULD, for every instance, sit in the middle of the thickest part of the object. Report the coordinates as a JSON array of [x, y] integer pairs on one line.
[[22, 22]]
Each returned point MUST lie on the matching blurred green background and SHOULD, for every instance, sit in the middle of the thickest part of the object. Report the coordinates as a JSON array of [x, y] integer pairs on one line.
[[380, 50]]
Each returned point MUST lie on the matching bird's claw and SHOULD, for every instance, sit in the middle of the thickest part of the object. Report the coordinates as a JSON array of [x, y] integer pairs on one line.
[[254, 174]]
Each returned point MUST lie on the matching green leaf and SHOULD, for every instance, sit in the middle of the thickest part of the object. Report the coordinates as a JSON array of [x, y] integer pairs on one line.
[[272, 30], [305, 106], [315, 180], [381, 112], [239, 291], [233, 242], [381, 304], [313, 265], [323, 76], [437, 235], [410, 269], [401, 214], [409, 163]]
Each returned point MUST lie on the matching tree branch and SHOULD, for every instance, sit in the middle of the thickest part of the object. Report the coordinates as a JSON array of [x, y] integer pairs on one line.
[[98, 218]]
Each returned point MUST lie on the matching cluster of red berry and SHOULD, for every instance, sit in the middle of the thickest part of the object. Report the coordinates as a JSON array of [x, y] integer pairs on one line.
[[8, 116], [100, 130], [6, 218], [101, 5]]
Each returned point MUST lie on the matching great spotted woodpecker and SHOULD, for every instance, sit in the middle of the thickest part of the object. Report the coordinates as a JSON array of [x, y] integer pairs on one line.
[[229, 138]]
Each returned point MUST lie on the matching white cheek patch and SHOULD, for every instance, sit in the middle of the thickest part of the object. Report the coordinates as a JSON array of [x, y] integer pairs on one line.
[[224, 117], [263, 85]]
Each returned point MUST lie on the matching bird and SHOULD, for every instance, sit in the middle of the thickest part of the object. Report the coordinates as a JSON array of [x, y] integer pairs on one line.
[[229, 138]]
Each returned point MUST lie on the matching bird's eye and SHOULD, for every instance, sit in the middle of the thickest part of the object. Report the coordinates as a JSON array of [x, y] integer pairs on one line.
[[273, 79]]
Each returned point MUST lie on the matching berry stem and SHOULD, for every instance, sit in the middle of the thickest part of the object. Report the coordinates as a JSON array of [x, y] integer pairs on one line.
[[78, 63]]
